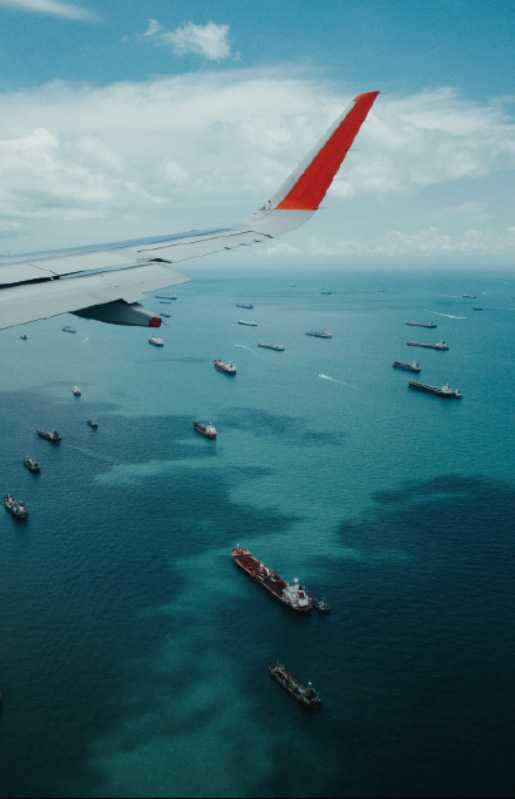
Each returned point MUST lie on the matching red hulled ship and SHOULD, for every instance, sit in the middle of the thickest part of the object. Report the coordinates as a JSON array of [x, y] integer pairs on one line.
[[291, 594], [227, 368]]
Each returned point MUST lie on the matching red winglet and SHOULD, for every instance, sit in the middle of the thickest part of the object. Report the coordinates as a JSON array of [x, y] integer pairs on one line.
[[155, 321], [310, 189]]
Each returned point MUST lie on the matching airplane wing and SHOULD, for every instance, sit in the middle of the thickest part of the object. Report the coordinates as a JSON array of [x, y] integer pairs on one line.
[[106, 282]]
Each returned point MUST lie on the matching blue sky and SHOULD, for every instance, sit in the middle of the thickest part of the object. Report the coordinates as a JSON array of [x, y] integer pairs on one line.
[[137, 118]]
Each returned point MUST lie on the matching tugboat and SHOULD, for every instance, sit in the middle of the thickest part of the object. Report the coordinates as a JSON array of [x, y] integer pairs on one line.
[[52, 436], [321, 605], [277, 347], [226, 368], [76, 391], [292, 595], [443, 391], [307, 697], [16, 507], [32, 465], [206, 430], [407, 367], [157, 342], [93, 423], [319, 333], [420, 324], [440, 346]]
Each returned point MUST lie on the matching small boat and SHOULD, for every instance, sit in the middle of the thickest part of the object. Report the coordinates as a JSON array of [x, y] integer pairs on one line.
[[249, 324], [321, 605], [68, 329], [52, 436], [157, 342], [307, 697], [166, 314], [319, 333], [477, 309], [420, 324], [407, 367], [277, 347], [16, 507], [24, 337], [441, 345], [32, 465], [440, 391], [226, 368], [76, 391], [93, 423], [242, 305], [206, 430], [469, 296], [326, 292]]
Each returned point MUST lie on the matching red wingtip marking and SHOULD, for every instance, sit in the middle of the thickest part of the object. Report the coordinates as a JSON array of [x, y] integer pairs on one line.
[[310, 189], [155, 321]]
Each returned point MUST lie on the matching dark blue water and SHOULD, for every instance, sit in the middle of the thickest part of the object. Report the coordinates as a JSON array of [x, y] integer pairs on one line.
[[134, 656]]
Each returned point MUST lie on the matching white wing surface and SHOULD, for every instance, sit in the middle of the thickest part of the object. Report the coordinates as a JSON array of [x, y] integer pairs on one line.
[[106, 282]]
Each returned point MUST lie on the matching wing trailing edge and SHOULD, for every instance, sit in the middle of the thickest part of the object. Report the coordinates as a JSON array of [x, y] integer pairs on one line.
[[118, 275]]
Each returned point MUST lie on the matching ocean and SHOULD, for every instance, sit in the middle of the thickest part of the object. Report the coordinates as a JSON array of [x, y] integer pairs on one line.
[[134, 655]]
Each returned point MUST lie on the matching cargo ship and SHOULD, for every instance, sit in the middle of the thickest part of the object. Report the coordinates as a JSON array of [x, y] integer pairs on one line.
[[277, 347], [420, 324], [307, 697], [408, 367], [293, 595], [440, 391], [52, 436], [206, 430], [441, 345], [226, 368], [319, 333]]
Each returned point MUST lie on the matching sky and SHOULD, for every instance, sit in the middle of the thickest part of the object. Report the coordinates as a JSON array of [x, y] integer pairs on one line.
[[135, 118]]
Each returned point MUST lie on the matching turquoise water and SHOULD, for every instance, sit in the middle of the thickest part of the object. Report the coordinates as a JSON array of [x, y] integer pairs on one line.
[[134, 656]]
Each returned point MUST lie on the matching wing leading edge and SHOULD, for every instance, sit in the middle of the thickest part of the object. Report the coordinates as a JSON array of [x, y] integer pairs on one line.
[[106, 282]]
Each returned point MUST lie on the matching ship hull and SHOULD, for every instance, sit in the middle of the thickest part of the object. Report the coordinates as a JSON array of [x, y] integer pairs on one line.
[[429, 346], [435, 390], [266, 578], [307, 698], [226, 369], [203, 431], [406, 367]]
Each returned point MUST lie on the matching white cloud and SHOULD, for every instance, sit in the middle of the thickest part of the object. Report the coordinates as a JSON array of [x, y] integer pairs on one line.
[[428, 242], [52, 7], [173, 153], [210, 41]]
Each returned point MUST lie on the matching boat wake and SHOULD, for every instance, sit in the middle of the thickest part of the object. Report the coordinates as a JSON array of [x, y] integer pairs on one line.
[[448, 315], [335, 380], [244, 347]]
